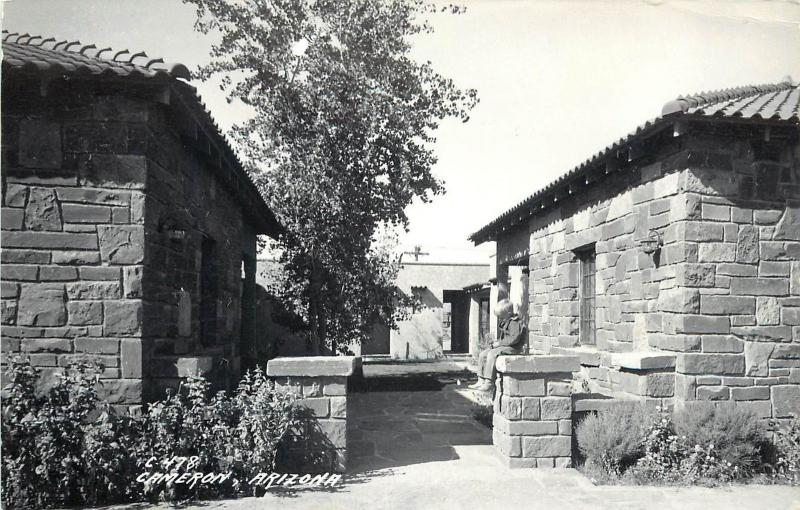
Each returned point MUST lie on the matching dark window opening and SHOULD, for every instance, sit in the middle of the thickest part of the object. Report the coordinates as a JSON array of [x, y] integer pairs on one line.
[[767, 176], [586, 294], [483, 319], [766, 151], [247, 322], [786, 175], [208, 294]]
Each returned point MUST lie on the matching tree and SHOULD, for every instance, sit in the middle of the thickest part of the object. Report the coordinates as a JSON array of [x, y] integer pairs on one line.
[[341, 141]]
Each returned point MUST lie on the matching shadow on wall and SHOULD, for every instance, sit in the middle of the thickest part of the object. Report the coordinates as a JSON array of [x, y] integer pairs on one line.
[[279, 332], [425, 297], [419, 337], [306, 448]]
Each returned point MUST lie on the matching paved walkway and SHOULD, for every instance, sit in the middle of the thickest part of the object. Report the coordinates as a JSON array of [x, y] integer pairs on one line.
[[402, 420], [416, 445]]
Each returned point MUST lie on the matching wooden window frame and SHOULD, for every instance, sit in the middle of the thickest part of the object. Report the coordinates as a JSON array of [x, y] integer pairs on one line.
[[209, 291], [587, 296]]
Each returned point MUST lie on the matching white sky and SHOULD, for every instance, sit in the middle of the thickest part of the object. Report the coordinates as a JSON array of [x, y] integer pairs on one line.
[[558, 81]]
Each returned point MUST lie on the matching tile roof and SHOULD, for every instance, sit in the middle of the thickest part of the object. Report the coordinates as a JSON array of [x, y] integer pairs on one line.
[[778, 101], [774, 102], [47, 55], [37, 55]]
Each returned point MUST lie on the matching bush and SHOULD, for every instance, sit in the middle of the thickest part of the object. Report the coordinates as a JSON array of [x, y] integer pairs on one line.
[[735, 434], [611, 440], [787, 452], [238, 434], [68, 447], [45, 462], [704, 443]]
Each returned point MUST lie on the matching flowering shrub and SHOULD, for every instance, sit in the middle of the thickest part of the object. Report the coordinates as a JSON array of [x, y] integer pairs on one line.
[[704, 443], [68, 447], [738, 436], [672, 458], [485, 341], [787, 446]]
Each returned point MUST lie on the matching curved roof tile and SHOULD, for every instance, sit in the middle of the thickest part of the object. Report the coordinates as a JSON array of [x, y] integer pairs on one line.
[[73, 57], [48, 56]]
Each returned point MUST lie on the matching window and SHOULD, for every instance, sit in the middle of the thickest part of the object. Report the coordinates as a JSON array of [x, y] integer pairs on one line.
[[483, 319], [208, 294], [247, 309], [587, 296]]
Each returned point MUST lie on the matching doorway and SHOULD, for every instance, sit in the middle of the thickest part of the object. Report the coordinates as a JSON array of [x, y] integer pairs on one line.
[[455, 321]]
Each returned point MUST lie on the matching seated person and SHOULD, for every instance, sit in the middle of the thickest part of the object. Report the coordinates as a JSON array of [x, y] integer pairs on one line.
[[511, 338]]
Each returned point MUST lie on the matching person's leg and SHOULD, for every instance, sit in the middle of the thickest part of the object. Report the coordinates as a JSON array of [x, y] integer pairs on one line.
[[482, 360], [489, 372], [481, 363]]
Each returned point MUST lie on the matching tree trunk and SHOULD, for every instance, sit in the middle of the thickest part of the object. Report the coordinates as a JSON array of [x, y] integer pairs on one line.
[[316, 315]]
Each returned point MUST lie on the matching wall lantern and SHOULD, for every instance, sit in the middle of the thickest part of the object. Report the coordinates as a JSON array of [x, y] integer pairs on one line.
[[176, 234], [652, 244]]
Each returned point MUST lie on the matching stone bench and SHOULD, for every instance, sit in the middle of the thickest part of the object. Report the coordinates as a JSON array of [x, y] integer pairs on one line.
[[645, 375], [320, 382], [532, 422]]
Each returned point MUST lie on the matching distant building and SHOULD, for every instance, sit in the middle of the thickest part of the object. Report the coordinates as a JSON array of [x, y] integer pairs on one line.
[[669, 262], [439, 323], [128, 225]]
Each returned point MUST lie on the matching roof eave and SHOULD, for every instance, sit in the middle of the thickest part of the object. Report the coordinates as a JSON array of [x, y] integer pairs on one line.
[[672, 111], [264, 220]]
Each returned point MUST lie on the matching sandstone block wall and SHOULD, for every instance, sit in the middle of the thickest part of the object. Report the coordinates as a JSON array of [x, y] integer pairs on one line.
[[217, 251], [320, 383], [721, 293], [94, 185], [73, 237], [532, 421], [631, 286], [738, 328]]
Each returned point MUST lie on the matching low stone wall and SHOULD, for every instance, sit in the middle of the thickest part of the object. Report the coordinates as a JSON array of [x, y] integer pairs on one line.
[[533, 410], [320, 442]]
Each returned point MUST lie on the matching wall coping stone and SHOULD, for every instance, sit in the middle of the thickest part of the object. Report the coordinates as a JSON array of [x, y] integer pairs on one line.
[[643, 360], [589, 356], [313, 366], [538, 364]]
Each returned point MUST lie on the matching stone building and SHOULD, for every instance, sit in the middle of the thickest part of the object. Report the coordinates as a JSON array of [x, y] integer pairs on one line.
[[669, 262], [439, 322], [128, 224]]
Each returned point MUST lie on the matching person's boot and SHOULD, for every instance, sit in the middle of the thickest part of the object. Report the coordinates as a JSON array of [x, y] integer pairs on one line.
[[477, 384], [486, 385]]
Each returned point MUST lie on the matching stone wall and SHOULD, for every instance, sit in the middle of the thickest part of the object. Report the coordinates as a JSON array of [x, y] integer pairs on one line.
[[631, 286], [320, 383], [532, 421], [184, 331], [93, 183], [720, 293], [740, 314], [72, 235]]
